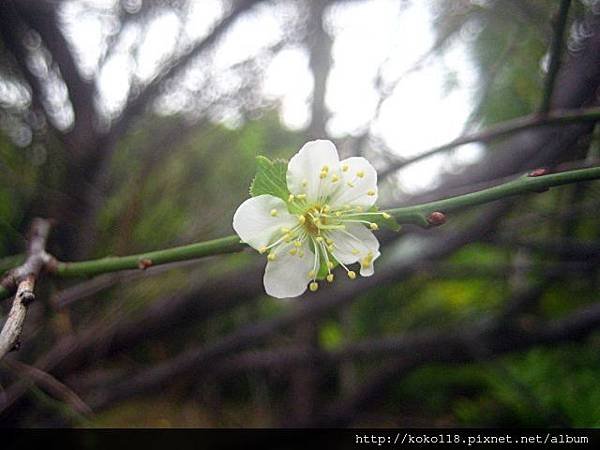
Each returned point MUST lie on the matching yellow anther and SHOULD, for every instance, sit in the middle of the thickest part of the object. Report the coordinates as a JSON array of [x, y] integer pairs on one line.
[[313, 286], [304, 182], [330, 248], [366, 262], [350, 184], [301, 219], [359, 208], [345, 167], [335, 178], [298, 244], [273, 212], [325, 168], [338, 214], [330, 265], [330, 277], [329, 241], [301, 253], [311, 274], [373, 226], [352, 274], [326, 208], [360, 174], [319, 239], [288, 238], [271, 257], [322, 175], [291, 198], [293, 251], [386, 215], [301, 196], [262, 249], [285, 230], [355, 251], [371, 192]]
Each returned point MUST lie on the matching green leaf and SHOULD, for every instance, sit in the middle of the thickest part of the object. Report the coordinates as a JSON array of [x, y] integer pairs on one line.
[[389, 223], [270, 178]]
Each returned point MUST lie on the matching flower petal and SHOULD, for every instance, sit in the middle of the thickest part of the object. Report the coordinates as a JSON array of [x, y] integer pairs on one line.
[[287, 276], [360, 184], [355, 244], [305, 167], [254, 223]]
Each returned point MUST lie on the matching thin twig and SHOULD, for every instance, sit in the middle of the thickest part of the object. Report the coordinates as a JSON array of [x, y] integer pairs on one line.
[[51, 384], [503, 129], [555, 54]]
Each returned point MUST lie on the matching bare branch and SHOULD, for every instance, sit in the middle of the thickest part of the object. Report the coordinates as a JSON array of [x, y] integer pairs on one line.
[[555, 55], [24, 277]]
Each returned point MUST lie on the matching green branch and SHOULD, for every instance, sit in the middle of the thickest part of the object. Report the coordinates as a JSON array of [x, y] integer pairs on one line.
[[421, 214], [426, 214]]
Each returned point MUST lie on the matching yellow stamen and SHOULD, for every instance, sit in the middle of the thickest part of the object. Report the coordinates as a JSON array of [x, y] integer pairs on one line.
[[360, 174], [301, 196], [273, 213], [386, 215], [293, 251], [330, 277], [329, 265], [304, 183], [335, 179], [355, 251], [298, 244], [311, 274], [345, 167], [285, 230], [301, 219], [319, 239], [350, 184], [323, 174], [374, 226], [371, 192], [325, 168], [291, 198], [313, 286], [271, 257], [352, 274], [262, 249]]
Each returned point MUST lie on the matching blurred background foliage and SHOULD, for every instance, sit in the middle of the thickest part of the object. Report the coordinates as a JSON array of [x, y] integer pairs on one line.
[[177, 177]]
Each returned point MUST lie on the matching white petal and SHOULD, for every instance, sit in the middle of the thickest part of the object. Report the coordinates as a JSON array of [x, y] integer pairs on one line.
[[369, 269], [287, 276], [304, 170], [254, 223], [356, 188], [354, 244]]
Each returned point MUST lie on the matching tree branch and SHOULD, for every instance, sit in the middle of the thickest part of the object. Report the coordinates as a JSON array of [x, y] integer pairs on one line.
[[426, 215], [24, 277], [564, 117], [556, 48]]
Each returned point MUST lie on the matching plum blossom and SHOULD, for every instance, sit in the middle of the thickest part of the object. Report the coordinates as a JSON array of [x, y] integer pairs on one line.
[[326, 221]]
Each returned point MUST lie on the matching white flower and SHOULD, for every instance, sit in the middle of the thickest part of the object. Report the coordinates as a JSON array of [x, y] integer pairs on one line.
[[321, 225]]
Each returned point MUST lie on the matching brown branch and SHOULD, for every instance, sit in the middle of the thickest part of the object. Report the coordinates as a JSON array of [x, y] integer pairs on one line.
[[24, 278], [51, 384], [556, 48], [504, 129]]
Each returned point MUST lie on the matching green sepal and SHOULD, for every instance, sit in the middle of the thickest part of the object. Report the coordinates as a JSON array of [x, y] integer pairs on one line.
[[270, 178], [323, 271]]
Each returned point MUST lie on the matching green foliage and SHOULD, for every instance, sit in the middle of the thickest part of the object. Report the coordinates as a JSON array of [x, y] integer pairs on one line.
[[270, 178]]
